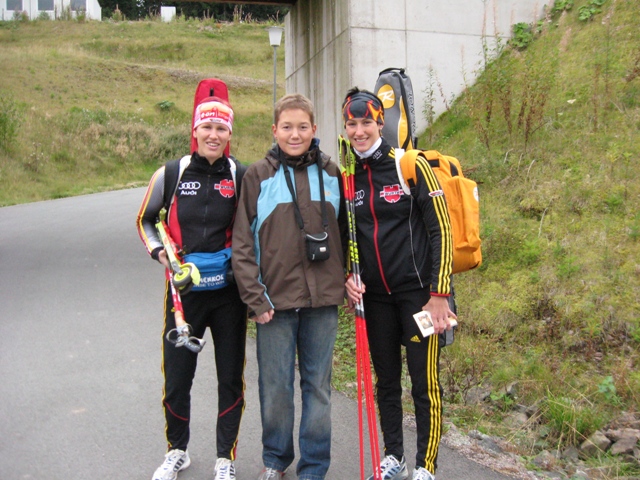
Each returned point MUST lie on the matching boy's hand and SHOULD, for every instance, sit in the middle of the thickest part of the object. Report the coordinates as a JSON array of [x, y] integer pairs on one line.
[[263, 317]]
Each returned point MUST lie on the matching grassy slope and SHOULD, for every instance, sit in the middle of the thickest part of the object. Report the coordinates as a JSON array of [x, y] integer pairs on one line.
[[86, 95], [555, 304]]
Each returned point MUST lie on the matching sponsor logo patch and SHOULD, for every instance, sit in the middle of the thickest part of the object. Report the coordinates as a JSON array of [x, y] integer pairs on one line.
[[189, 188], [387, 96], [437, 193], [391, 193], [189, 185], [212, 281], [226, 188]]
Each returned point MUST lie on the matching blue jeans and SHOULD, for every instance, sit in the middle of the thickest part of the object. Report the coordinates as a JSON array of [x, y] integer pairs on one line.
[[312, 333]]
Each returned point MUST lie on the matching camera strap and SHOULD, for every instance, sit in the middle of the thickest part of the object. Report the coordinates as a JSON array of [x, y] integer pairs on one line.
[[323, 206]]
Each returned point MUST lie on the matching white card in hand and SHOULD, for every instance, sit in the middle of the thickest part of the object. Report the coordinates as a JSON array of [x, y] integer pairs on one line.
[[423, 319]]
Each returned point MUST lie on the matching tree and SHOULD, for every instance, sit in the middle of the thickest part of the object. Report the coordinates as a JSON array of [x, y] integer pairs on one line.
[[138, 9]]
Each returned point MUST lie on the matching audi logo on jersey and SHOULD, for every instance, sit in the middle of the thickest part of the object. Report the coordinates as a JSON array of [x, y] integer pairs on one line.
[[391, 193], [189, 185], [226, 188], [359, 198], [189, 188]]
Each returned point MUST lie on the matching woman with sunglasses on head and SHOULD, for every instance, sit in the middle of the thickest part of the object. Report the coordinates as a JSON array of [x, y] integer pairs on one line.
[[405, 258]]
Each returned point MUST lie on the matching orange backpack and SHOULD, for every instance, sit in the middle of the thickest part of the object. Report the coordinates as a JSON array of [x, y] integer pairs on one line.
[[461, 195]]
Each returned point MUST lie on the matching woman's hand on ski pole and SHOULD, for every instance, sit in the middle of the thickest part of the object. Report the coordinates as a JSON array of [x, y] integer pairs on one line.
[[263, 317], [163, 259], [440, 312], [354, 292]]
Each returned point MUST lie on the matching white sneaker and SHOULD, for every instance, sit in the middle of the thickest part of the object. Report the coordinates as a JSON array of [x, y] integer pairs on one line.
[[421, 473], [224, 470], [174, 461], [392, 469], [270, 474]]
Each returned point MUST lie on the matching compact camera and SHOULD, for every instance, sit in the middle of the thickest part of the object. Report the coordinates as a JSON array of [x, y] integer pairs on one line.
[[318, 246]]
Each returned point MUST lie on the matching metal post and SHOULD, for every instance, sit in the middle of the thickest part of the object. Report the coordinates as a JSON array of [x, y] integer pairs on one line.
[[275, 37], [274, 82]]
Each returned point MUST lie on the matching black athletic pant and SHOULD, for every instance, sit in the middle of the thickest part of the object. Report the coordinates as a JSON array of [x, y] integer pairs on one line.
[[226, 316], [390, 324]]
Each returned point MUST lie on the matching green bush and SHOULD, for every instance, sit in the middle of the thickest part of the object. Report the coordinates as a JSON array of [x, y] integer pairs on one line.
[[571, 420], [9, 123], [20, 16], [522, 35], [65, 14], [117, 16], [587, 12], [531, 250], [560, 6]]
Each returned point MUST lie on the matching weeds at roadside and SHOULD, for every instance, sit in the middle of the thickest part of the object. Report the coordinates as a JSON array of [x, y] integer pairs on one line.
[[590, 10], [434, 93], [555, 148], [9, 123], [20, 16], [117, 15], [560, 6], [344, 377], [572, 421]]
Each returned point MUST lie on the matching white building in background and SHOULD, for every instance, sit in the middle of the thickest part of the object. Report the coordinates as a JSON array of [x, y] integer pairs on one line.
[[54, 8], [168, 14]]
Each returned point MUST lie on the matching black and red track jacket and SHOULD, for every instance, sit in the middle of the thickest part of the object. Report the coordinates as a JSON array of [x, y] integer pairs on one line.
[[202, 214], [404, 240]]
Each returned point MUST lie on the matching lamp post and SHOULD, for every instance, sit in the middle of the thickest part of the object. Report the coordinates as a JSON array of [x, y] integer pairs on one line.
[[275, 37]]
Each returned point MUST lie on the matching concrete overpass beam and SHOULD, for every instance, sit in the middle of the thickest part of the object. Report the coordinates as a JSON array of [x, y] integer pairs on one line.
[[332, 45]]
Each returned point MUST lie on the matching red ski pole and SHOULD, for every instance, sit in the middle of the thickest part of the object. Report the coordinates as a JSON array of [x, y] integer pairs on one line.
[[363, 363]]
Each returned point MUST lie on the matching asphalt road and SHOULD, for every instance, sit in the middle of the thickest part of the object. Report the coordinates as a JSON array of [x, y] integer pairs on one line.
[[80, 329]]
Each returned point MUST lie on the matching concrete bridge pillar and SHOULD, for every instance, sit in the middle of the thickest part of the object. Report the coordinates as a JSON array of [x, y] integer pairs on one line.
[[332, 45]]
